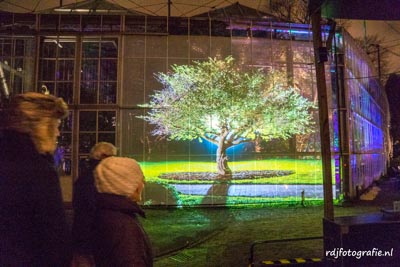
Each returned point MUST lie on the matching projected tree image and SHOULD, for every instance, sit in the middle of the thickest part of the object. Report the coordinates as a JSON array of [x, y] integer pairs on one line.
[[227, 105]]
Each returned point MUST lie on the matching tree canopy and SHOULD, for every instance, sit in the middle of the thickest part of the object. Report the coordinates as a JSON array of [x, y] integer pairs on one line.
[[226, 104]]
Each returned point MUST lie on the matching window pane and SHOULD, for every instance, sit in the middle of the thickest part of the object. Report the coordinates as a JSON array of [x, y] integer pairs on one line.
[[199, 26], [199, 46], [86, 142], [135, 24], [6, 19], [47, 67], [91, 23], [20, 48], [66, 124], [241, 31], [58, 65], [178, 46], [111, 23], [109, 49], [178, 26], [5, 48], [65, 70], [90, 49], [89, 70], [65, 142], [48, 22], [108, 93], [88, 94], [65, 91], [241, 49], [156, 24], [49, 49], [108, 70], [87, 121], [24, 23], [107, 137], [70, 22], [134, 46], [67, 50], [18, 85], [18, 64], [156, 46], [106, 121], [220, 28], [99, 73]]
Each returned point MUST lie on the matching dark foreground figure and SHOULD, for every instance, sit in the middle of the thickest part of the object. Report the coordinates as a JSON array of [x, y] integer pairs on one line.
[[120, 237], [33, 227]]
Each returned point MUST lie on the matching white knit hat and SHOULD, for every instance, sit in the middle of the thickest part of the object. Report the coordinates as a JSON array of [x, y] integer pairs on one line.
[[118, 175]]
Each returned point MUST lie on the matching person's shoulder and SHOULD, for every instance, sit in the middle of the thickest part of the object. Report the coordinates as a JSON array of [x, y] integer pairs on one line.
[[88, 165], [86, 171]]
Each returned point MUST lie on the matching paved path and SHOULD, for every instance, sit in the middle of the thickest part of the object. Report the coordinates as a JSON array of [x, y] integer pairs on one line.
[[253, 190]]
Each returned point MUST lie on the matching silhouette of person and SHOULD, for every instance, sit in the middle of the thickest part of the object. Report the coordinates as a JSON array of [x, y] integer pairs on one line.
[[33, 225], [84, 205], [120, 237]]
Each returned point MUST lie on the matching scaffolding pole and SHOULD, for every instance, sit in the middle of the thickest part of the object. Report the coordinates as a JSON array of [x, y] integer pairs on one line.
[[323, 114]]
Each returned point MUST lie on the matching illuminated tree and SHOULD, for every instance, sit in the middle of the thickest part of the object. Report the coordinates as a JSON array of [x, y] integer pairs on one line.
[[227, 105]]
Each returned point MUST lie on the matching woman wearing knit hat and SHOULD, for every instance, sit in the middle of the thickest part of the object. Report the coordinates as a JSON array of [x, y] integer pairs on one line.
[[120, 237], [33, 226]]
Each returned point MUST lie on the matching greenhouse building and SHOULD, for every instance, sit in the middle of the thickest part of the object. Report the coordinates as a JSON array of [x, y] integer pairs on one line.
[[111, 69]]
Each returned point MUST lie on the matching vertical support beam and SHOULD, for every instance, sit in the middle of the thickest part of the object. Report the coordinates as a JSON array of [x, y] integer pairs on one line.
[[75, 122], [290, 80], [38, 40], [323, 116], [343, 121], [168, 15]]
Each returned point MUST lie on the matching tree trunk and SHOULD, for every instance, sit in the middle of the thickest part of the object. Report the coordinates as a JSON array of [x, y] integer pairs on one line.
[[222, 161]]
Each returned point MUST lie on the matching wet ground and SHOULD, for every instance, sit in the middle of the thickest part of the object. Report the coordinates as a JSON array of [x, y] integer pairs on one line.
[[222, 236]]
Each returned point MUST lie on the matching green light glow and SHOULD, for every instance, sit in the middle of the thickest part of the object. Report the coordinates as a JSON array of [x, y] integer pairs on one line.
[[305, 171]]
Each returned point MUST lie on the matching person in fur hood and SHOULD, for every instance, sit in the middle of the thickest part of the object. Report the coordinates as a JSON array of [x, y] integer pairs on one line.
[[120, 237], [33, 225]]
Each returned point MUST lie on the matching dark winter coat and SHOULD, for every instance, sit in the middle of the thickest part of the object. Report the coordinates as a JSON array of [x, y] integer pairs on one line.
[[121, 239], [33, 226], [84, 204]]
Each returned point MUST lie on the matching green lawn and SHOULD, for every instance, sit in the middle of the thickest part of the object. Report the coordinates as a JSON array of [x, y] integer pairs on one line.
[[305, 171]]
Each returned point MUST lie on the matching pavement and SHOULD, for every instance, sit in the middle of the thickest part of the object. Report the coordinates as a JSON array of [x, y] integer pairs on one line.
[[389, 191], [255, 190]]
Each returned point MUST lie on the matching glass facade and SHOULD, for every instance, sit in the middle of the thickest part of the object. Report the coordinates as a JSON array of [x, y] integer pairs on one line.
[[105, 68], [98, 81], [368, 120], [57, 66], [17, 60]]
